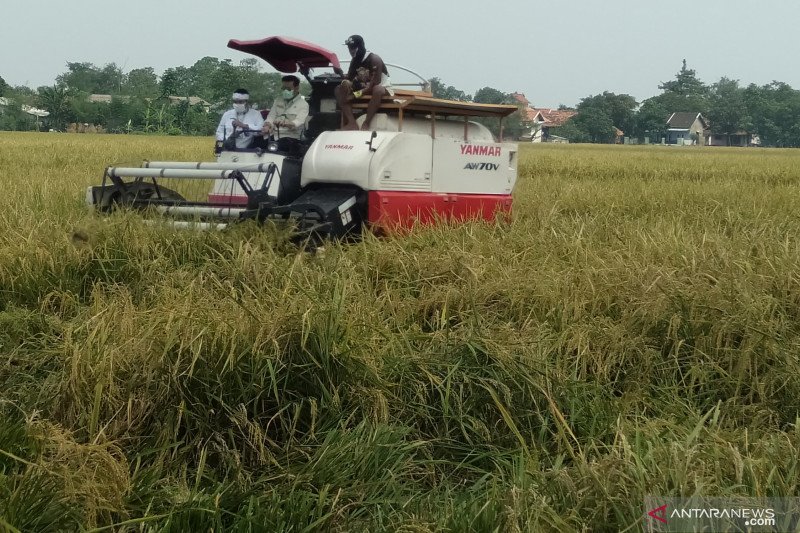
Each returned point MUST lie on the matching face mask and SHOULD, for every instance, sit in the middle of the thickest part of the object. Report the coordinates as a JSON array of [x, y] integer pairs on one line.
[[287, 94], [239, 108]]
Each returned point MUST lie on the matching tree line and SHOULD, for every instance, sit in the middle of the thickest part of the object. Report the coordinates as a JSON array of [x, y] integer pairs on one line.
[[771, 111], [140, 98], [140, 103]]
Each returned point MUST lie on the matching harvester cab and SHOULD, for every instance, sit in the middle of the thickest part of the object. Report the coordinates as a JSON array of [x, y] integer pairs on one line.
[[423, 161]]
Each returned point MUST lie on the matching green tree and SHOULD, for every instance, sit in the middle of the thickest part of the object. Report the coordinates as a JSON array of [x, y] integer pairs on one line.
[[762, 107], [3, 86], [775, 113], [651, 119], [264, 87], [514, 126], [110, 80], [224, 80], [119, 115], [596, 112], [685, 93], [176, 81], [142, 82], [198, 78], [198, 122], [158, 118], [23, 92], [87, 78], [571, 131], [57, 100], [13, 118], [596, 123], [490, 95], [79, 77], [447, 92], [82, 110], [622, 110], [686, 84], [728, 112]]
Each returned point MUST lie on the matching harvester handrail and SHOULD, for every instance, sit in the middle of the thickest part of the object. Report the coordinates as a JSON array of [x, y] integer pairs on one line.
[[425, 83]]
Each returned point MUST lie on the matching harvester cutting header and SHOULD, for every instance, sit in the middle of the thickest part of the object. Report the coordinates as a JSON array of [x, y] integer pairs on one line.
[[421, 160]]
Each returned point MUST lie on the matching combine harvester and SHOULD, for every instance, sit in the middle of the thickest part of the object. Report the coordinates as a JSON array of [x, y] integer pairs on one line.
[[424, 161]]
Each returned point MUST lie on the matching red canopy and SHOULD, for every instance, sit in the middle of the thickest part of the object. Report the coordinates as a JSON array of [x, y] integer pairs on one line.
[[286, 54]]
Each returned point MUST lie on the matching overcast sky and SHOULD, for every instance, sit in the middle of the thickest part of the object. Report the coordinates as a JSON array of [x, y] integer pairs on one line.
[[555, 52]]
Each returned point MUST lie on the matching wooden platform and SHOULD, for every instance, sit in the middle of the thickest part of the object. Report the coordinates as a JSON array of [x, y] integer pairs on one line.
[[425, 102], [405, 101]]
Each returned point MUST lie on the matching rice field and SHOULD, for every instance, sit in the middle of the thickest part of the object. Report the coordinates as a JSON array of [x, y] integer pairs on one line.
[[635, 330]]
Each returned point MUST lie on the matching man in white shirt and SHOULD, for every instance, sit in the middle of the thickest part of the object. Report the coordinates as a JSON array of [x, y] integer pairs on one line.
[[288, 114], [242, 120]]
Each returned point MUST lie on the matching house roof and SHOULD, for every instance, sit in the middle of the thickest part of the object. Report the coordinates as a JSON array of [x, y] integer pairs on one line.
[[25, 108], [174, 100], [193, 100], [684, 120], [532, 115], [520, 98], [106, 98], [542, 115], [551, 117]]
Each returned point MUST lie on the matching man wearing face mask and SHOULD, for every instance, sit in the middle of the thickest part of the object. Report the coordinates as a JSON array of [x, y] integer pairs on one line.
[[288, 114], [241, 120], [367, 75]]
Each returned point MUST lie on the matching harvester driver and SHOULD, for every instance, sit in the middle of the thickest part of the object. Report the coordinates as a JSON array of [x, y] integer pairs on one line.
[[239, 124], [288, 114], [367, 75]]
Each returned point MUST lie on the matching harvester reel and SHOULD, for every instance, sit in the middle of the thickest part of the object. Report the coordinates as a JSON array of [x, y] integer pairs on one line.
[[115, 197]]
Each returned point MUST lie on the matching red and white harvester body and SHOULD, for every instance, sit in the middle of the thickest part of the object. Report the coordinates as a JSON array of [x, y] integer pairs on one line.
[[422, 161]]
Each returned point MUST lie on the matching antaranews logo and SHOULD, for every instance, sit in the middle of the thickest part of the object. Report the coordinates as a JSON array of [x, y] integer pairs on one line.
[[659, 513], [716, 514]]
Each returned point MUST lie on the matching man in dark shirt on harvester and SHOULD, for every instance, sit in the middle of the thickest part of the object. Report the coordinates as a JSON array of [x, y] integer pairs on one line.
[[367, 75]]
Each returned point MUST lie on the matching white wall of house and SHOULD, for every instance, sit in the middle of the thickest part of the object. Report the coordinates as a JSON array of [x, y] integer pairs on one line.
[[686, 137], [537, 133]]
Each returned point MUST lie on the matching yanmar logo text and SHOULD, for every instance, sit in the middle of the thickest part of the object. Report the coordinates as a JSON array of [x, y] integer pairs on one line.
[[339, 147], [472, 149]]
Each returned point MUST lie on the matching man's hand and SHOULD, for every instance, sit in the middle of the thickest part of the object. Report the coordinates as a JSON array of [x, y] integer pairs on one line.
[[266, 129], [346, 90], [284, 124], [239, 124]]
